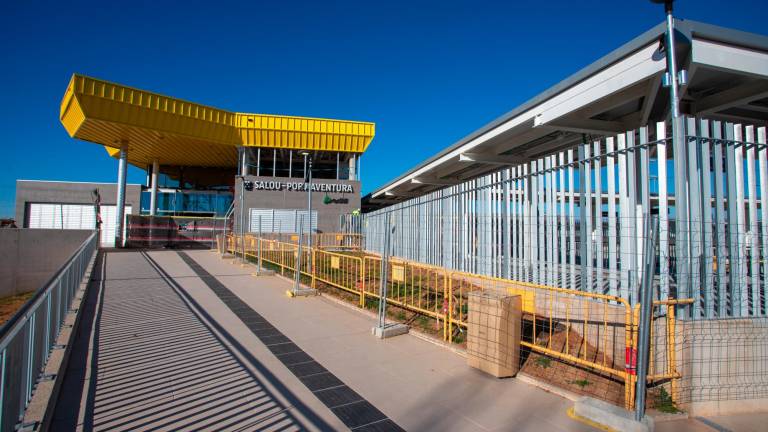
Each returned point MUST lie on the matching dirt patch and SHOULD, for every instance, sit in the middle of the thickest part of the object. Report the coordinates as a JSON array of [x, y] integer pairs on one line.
[[425, 324], [9, 305], [576, 379]]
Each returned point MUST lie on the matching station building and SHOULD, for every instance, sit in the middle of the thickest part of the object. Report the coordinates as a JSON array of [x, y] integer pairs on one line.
[[198, 160]]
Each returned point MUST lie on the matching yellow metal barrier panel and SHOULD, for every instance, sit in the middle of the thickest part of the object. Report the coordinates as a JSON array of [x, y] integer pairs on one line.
[[589, 330]]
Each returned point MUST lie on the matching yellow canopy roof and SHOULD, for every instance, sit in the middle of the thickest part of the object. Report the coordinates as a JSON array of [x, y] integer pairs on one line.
[[177, 132]]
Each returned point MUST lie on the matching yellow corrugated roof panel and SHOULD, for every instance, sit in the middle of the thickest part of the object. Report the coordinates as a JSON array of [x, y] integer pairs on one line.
[[179, 132]]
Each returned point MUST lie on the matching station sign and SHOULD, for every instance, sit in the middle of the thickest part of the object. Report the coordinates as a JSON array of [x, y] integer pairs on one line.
[[275, 185]]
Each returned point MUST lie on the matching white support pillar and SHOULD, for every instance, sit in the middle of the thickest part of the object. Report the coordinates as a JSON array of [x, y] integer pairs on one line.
[[353, 167], [153, 190], [244, 162], [122, 167]]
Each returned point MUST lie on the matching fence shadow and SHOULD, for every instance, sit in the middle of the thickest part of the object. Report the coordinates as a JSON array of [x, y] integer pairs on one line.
[[157, 365]]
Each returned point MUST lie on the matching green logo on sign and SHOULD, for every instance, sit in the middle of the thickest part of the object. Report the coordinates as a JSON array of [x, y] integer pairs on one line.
[[329, 200]]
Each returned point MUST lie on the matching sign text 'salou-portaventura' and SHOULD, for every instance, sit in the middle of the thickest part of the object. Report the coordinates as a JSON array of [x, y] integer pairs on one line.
[[274, 185]]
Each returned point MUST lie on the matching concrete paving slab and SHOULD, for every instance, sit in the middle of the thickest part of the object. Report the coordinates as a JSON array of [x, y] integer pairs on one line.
[[397, 375], [171, 354], [150, 361]]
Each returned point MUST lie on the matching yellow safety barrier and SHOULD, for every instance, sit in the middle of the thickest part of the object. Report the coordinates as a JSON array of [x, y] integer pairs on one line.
[[413, 286], [333, 241], [587, 329], [339, 270], [339, 241], [590, 330], [662, 364]]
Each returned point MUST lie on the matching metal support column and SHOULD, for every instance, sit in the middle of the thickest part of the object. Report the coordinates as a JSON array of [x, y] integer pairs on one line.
[[309, 214], [258, 162], [245, 162], [681, 202], [242, 217], [153, 191], [239, 162], [122, 168]]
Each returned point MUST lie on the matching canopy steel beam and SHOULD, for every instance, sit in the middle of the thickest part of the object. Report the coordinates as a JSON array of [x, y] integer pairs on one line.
[[399, 194], [434, 181], [492, 159], [590, 126], [734, 97]]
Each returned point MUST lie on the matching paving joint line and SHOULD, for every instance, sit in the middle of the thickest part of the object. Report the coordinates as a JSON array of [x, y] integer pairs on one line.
[[229, 298]]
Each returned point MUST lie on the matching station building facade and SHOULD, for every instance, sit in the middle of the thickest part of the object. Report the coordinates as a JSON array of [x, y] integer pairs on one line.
[[199, 160]]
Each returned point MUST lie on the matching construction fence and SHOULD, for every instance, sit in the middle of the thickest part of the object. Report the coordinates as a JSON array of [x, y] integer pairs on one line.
[[573, 220], [594, 332], [329, 241]]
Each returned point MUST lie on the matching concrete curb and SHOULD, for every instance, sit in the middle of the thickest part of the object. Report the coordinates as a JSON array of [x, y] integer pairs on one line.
[[39, 412], [565, 394], [608, 417]]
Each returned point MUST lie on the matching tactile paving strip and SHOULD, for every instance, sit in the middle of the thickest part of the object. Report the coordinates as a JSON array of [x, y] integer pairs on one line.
[[352, 409]]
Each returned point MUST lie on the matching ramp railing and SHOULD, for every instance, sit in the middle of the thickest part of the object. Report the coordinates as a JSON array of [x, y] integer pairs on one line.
[[27, 339]]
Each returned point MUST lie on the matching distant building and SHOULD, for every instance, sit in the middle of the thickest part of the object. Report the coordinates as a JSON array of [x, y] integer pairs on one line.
[[196, 157]]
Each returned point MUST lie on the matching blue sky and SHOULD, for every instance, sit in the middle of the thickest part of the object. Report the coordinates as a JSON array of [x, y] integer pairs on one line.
[[428, 73]]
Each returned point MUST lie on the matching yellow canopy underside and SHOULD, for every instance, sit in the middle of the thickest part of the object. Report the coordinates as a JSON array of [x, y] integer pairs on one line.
[[177, 132]]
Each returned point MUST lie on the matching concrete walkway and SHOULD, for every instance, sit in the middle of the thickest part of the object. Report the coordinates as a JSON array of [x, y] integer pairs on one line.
[[160, 349], [147, 359]]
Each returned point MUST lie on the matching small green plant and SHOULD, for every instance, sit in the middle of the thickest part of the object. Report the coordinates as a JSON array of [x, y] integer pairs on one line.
[[581, 383], [543, 362], [400, 315], [422, 321], [664, 402]]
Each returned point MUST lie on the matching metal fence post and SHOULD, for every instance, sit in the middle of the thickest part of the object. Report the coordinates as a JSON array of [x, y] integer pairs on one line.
[[258, 259], [646, 312], [297, 263], [583, 234], [242, 218], [389, 229]]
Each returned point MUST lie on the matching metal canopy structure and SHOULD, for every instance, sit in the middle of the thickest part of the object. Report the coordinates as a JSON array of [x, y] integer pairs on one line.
[[727, 79], [170, 131]]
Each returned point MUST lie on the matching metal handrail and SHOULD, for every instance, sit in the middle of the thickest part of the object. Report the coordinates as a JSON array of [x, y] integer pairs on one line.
[[27, 338]]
